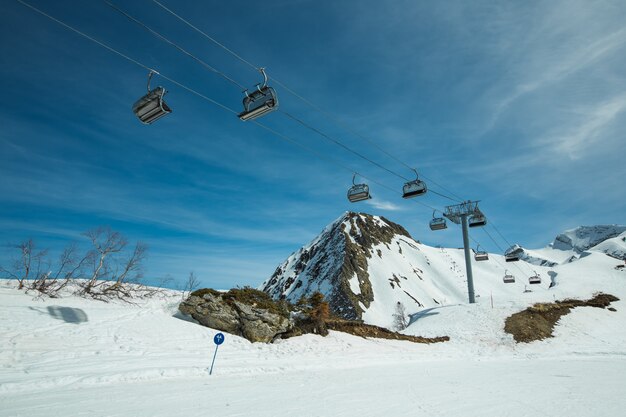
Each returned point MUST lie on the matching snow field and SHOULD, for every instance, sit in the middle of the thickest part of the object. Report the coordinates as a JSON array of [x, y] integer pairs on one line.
[[78, 357]]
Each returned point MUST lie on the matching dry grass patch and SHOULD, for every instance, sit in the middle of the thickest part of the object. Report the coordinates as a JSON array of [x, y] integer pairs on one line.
[[537, 322]]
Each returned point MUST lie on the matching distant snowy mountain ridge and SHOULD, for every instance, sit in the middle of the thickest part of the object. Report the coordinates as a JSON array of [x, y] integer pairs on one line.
[[584, 238], [365, 265]]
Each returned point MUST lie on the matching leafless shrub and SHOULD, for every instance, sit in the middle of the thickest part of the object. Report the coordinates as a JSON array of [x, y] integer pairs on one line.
[[191, 285], [106, 271]]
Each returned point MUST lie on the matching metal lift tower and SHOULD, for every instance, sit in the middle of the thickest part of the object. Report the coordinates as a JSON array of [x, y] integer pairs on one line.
[[458, 214]]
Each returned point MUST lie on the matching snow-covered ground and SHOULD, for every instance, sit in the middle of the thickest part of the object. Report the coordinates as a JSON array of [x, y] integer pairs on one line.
[[76, 357]]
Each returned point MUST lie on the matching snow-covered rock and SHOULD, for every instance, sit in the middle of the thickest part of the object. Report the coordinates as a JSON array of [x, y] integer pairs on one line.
[[583, 238], [614, 247], [336, 263]]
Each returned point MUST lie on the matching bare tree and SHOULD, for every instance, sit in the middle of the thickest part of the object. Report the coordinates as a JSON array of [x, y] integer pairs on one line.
[[107, 270], [191, 284], [28, 260], [400, 320], [106, 242]]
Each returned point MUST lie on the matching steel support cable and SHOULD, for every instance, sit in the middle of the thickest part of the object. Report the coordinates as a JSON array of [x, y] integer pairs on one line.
[[164, 39], [328, 115], [134, 61], [508, 243], [214, 70], [342, 125], [215, 41], [338, 122], [500, 247], [339, 143], [498, 262], [494, 259], [208, 66], [191, 90], [498, 231], [493, 240], [332, 161]]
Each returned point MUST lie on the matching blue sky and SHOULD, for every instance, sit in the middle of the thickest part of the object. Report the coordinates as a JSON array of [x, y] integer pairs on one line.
[[521, 105]]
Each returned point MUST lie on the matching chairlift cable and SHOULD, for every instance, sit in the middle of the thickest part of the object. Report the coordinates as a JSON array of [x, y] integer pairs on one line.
[[41, 12], [498, 231], [498, 262], [230, 51], [214, 70], [494, 259], [507, 242], [164, 39], [328, 115], [339, 143], [134, 61], [492, 239], [203, 96], [191, 90]]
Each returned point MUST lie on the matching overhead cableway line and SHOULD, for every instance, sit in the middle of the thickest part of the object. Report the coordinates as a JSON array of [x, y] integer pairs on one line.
[[289, 115], [210, 100], [325, 113]]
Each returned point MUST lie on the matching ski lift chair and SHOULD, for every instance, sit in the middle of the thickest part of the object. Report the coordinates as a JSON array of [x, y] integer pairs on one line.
[[151, 107], [358, 192], [508, 278], [414, 188], [438, 223], [480, 255], [259, 102], [511, 257], [535, 279], [477, 219]]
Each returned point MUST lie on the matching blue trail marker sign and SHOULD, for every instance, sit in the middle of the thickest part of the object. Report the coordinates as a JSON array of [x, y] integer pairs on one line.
[[218, 339]]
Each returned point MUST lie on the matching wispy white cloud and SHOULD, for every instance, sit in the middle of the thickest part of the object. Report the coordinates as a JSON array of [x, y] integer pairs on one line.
[[544, 70], [384, 205], [588, 132]]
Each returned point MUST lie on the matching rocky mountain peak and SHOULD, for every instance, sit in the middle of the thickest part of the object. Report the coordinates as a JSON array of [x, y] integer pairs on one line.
[[336, 263]]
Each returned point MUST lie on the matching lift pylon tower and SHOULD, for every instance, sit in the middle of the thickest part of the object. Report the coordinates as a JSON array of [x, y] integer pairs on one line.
[[458, 214]]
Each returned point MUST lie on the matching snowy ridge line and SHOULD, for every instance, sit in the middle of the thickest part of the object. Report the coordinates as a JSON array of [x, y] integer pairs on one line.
[[365, 267]]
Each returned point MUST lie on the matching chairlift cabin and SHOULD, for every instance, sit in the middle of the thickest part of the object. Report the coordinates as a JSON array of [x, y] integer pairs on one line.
[[151, 107], [508, 278], [414, 188], [480, 255], [261, 101], [438, 223], [535, 279], [477, 219], [358, 192], [511, 257]]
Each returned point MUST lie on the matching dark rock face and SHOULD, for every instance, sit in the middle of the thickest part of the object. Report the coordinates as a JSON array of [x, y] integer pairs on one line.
[[338, 255], [253, 323]]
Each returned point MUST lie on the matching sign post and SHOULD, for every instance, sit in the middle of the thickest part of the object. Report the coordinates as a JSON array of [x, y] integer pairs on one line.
[[218, 339]]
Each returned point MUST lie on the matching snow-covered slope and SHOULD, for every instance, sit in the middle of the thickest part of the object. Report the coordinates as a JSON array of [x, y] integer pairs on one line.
[[76, 357], [615, 247], [366, 264]]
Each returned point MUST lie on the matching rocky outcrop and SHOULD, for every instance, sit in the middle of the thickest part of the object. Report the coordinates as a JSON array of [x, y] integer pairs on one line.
[[224, 312], [336, 263]]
